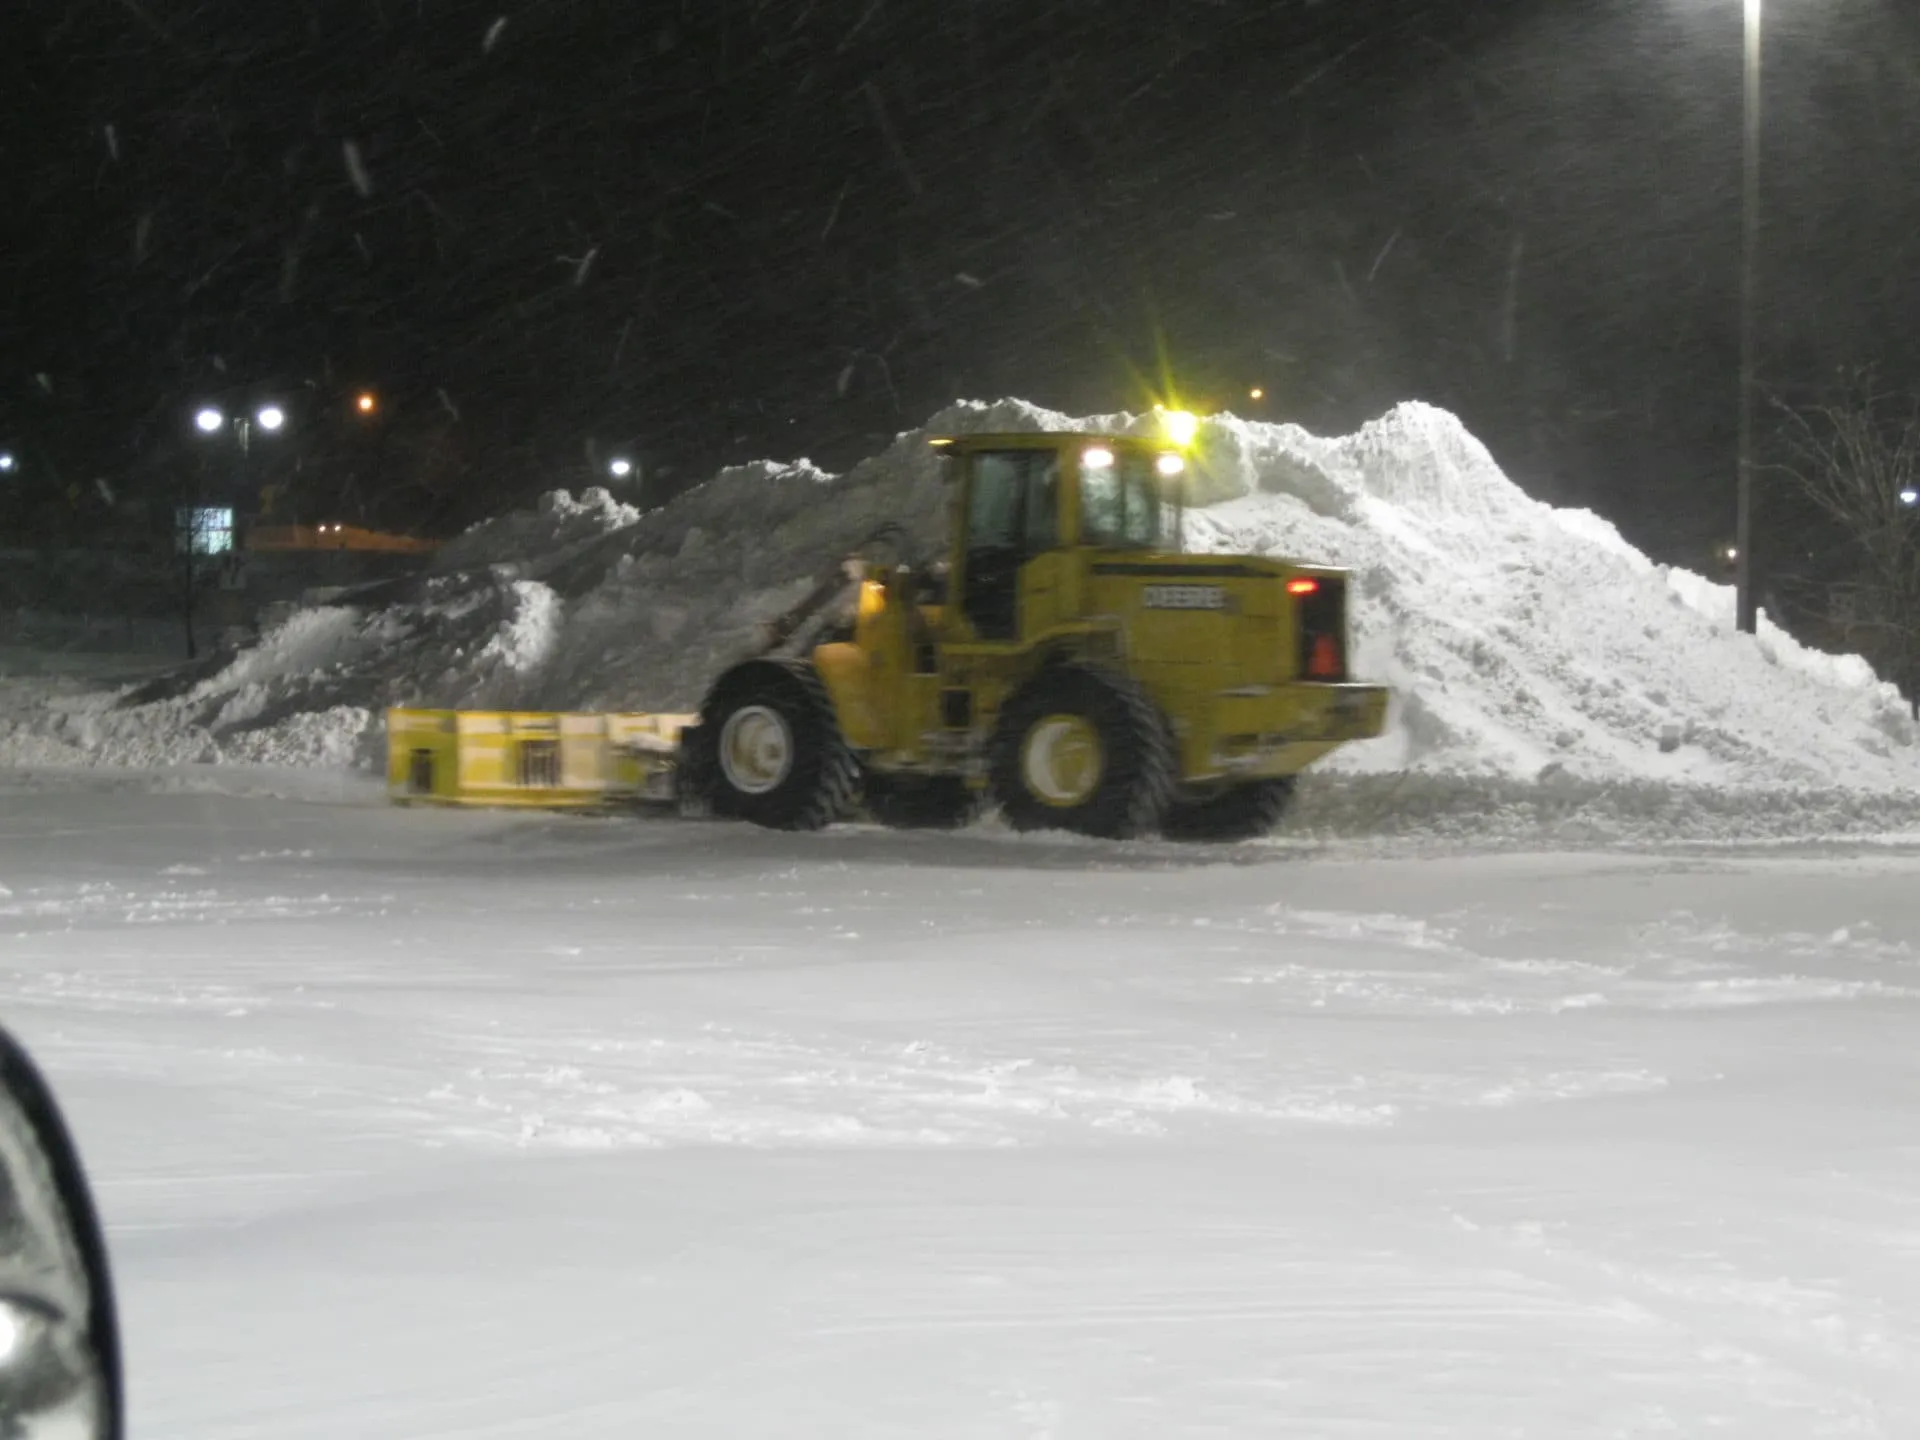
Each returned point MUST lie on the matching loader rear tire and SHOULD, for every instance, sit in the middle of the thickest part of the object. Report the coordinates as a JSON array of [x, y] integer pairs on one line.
[[778, 757], [1083, 750], [1244, 812], [921, 802]]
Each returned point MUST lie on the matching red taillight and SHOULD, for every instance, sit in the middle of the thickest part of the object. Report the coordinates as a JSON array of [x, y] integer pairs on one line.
[[1323, 660], [1319, 605]]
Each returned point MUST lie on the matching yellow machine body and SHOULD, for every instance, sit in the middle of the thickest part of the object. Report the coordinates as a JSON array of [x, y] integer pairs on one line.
[[1246, 657], [1063, 594]]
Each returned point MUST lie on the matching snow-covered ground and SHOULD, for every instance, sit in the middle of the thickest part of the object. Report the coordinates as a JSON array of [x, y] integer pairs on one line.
[[421, 1125], [1552, 1075]]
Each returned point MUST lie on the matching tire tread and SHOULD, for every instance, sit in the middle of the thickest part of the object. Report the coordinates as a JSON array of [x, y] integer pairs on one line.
[[818, 798], [1131, 800], [1244, 812]]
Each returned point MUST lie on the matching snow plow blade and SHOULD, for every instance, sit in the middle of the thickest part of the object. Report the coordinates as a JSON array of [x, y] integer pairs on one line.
[[525, 758]]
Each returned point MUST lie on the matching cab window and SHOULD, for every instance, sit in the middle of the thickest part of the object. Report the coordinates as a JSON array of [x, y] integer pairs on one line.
[[1014, 501], [1120, 505]]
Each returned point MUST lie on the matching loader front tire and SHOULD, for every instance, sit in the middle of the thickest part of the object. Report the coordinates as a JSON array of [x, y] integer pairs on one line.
[[1244, 812], [778, 758], [1083, 750]]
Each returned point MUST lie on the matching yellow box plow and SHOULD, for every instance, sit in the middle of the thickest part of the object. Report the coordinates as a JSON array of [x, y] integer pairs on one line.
[[547, 759]]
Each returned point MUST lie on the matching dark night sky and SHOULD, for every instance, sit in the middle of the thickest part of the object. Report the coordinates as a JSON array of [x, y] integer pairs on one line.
[[813, 222]]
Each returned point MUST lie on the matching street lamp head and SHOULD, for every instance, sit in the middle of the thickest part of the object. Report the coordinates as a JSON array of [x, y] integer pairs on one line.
[[620, 469], [7, 462], [366, 403], [271, 417], [1910, 496], [207, 420]]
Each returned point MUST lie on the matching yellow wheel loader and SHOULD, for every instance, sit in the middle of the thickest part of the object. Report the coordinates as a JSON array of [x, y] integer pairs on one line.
[[1064, 659]]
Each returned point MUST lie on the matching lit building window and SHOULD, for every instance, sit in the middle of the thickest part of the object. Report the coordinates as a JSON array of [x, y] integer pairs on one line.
[[203, 530]]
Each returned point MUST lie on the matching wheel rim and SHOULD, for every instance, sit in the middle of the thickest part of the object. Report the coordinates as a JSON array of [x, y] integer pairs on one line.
[[1062, 761], [756, 749]]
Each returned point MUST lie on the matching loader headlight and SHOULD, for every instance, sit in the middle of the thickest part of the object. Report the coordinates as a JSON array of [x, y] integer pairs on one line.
[[1170, 464], [1097, 457], [1181, 426]]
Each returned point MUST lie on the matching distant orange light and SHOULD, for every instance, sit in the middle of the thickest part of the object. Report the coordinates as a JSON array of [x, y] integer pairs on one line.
[[1256, 393], [1302, 586], [366, 404]]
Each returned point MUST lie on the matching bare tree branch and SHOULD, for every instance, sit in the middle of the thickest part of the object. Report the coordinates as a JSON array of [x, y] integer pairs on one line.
[[1857, 457]]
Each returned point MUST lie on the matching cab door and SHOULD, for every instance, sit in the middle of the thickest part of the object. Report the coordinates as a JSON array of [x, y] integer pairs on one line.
[[1012, 516]]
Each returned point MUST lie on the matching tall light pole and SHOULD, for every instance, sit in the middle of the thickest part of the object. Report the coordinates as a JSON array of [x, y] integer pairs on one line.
[[195, 529], [1746, 607]]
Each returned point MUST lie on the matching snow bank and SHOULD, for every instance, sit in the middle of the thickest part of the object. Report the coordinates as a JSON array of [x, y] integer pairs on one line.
[[557, 524], [1526, 642], [1526, 645]]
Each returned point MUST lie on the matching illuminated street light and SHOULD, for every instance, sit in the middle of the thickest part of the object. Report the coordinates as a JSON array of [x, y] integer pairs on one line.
[[1256, 393], [366, 403], [7, 462], [620, 469], [211, 421], [1907, 497]]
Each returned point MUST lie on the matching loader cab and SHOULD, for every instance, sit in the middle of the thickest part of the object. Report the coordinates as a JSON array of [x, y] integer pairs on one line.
[[1011, 507], [1024, 498]]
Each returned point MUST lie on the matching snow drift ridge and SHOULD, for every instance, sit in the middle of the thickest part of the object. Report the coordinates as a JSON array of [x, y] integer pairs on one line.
[[1522, 641]]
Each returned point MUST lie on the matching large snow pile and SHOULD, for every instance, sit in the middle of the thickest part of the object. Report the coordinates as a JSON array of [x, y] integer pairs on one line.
[[1524, 643], [1525, 640]]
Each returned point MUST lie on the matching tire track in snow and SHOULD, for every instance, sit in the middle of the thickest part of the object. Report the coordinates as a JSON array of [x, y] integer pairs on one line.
[[1781, 1334]]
